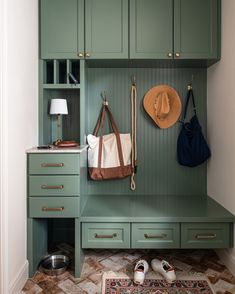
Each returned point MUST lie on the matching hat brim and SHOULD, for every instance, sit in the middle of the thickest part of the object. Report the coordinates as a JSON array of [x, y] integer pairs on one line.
[[175, 106]]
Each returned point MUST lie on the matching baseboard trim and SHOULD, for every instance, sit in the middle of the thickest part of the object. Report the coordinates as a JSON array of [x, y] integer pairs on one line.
[[20, 280], [227, 258]]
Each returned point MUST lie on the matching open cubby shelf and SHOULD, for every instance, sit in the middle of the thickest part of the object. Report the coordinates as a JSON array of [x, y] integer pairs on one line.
[[56, 74], [70, 126]]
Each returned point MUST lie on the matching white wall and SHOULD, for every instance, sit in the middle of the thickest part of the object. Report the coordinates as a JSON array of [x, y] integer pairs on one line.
[[19, 131], [221, 121]]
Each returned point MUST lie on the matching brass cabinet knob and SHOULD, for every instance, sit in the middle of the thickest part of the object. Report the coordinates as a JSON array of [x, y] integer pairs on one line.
[[177, 54], [87, 54], [80, 54], [169, 54]]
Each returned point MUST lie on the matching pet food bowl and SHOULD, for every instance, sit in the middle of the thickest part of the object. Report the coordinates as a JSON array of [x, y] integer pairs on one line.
[[54, 265]]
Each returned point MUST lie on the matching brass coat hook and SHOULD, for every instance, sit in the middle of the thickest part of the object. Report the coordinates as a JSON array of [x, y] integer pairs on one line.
[[104, 98], [133, 80], [190, 85]]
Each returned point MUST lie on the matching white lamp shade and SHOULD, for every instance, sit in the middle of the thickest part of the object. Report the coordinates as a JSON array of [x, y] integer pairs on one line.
[[58, 106]]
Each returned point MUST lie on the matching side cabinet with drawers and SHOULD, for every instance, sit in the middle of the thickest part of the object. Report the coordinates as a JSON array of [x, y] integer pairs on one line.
[[54, 191]]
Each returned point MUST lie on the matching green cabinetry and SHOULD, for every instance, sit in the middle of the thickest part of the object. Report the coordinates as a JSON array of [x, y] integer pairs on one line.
[[64, 23], [196, 29], [106, 235], [155, 235], [135, 29], [106, 29], [206, 235], [179, 29], [54, 193], [151, 29], [62, 28]]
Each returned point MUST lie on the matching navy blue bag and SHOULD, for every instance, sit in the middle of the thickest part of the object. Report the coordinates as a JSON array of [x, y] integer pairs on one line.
[[192, 148]]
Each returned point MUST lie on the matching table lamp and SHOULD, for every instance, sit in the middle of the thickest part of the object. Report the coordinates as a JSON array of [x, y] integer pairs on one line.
[[58, 107]]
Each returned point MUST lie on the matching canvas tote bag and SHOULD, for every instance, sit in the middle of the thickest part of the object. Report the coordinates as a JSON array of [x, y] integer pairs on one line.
[[109, 156], [192, 148]]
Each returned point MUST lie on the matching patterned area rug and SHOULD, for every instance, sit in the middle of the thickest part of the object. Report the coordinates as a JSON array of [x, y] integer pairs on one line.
[[155, 286]]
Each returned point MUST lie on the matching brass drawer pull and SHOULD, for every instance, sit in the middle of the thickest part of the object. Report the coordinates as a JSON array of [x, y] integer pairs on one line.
[[205, 237], [60, 187], [53, 208], [155, 236], [97, 236], [52, 164]]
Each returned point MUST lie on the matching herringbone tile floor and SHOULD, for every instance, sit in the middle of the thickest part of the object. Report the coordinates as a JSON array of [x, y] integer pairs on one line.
[[188, 262]]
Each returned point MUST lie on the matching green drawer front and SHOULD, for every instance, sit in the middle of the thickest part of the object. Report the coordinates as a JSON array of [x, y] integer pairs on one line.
[[54, 207], [155, 235], [54, 185], [57, 164], [103, 235], [205, 235]]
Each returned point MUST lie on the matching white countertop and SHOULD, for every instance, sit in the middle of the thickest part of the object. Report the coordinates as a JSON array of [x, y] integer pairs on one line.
[[55, 149]]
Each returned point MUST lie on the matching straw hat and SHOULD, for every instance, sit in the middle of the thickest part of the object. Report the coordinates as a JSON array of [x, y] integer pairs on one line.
[[163, 105]]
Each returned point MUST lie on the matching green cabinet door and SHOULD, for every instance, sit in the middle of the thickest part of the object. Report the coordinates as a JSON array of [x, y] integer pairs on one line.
[[196, 29], [151, 29], [106, 26], [62, 28]]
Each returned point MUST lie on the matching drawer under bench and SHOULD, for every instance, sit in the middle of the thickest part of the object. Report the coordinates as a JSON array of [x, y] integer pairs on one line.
[[106, 235], [206, 235], [157, 235]]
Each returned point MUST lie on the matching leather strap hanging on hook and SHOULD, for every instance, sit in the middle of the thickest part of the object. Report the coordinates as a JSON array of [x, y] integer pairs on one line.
[[133, 133]]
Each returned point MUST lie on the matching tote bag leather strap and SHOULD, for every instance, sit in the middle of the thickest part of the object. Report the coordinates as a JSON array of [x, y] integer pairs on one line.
[[100, 124], [189, 95], [101, 120]]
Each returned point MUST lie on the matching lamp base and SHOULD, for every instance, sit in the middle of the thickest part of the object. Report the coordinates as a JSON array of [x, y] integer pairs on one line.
[[55, 143]]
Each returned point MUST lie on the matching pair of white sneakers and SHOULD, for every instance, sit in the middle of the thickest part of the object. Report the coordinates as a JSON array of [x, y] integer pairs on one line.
[[160, 266]]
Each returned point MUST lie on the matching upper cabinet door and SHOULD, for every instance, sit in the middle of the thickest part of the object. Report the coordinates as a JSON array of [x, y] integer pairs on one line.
[[196, 29], [106, 25], [151, 29], [62, 28]]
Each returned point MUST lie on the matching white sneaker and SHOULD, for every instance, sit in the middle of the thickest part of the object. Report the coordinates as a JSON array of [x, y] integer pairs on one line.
[[140, 270], [165, 269]]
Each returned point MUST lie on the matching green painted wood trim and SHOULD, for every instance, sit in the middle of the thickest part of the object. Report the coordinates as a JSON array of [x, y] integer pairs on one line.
[[83, 179], [56, 71], [36, 243], [151, 63], [58, 186], [83, 105], [81, 27], [219, 30], [61, 86], [41, 75], [79, 255], [96, 235]]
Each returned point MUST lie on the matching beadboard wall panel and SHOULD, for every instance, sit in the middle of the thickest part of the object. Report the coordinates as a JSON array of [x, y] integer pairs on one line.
[[158, 170]]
